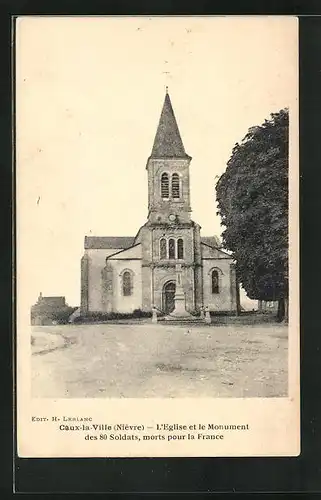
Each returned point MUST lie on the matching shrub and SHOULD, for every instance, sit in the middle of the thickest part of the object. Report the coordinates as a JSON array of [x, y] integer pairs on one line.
[[96, 317], [138, 313], [222, 313]]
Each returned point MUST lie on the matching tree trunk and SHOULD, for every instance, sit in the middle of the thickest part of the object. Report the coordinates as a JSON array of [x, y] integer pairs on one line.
[[286, 310], [260, 306], [238, 301], [281, 310]]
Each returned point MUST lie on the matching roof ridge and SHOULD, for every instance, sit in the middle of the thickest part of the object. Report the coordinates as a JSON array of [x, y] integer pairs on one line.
[[122, 250], [109, 236]]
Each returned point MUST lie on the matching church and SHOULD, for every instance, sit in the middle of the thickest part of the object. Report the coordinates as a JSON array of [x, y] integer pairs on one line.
[[127, 273]]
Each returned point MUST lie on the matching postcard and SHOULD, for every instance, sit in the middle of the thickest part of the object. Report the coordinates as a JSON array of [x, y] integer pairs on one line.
[[157, 229]]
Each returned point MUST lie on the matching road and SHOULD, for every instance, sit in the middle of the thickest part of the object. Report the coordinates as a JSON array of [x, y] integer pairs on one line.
[[147, 360]]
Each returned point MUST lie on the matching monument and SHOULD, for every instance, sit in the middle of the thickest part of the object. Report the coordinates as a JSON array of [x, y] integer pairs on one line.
[[179, 312], [207, 316], [154, 314]]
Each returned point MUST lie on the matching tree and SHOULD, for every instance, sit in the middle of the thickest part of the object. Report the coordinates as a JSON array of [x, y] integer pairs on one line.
[[62, 315], [252, 197]]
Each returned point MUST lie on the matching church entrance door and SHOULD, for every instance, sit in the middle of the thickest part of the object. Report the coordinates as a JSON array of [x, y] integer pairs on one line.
[[169, 297]]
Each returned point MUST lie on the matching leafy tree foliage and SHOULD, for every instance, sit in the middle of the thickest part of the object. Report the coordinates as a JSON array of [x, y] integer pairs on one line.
[[62, 315], [252, 197]]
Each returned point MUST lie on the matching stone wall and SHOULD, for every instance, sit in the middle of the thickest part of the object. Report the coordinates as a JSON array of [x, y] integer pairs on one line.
[[218, 301], [96, 262], [121, 303], [84, 285], [163, 274], [101, 285], [159, 208]]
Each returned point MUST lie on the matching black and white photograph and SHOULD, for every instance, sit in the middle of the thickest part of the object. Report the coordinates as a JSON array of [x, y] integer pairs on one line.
[[157, 225]]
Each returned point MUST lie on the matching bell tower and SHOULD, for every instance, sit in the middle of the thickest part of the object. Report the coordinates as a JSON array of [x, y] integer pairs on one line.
[[168, 172], [170, 238]]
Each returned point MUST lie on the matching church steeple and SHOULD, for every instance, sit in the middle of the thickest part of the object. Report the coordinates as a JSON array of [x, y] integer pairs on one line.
[[168, 173], [168, 142]]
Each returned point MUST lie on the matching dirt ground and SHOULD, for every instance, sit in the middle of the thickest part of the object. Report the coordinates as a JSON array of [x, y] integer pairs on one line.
[[146, 360]]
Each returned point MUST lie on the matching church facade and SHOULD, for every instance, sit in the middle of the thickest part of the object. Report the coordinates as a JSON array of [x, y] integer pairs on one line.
[[123, 274]]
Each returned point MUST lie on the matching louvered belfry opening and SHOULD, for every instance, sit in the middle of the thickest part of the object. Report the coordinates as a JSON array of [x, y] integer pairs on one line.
[[175, 186], [165, 186]]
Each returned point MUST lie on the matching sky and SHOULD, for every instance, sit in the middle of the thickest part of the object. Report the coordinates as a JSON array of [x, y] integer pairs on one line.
[[89, 93]]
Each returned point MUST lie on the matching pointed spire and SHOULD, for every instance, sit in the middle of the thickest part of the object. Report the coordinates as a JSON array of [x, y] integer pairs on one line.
[[168, 142]]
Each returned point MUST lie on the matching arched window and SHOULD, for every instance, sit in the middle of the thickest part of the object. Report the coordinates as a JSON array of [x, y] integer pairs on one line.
[[175, 186], [215, 282], [180, 248], [165, 186], [162, 248], [171, 248], [127, 283]]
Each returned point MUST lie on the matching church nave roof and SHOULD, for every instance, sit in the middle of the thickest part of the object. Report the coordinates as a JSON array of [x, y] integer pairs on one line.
[[108, 242]]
